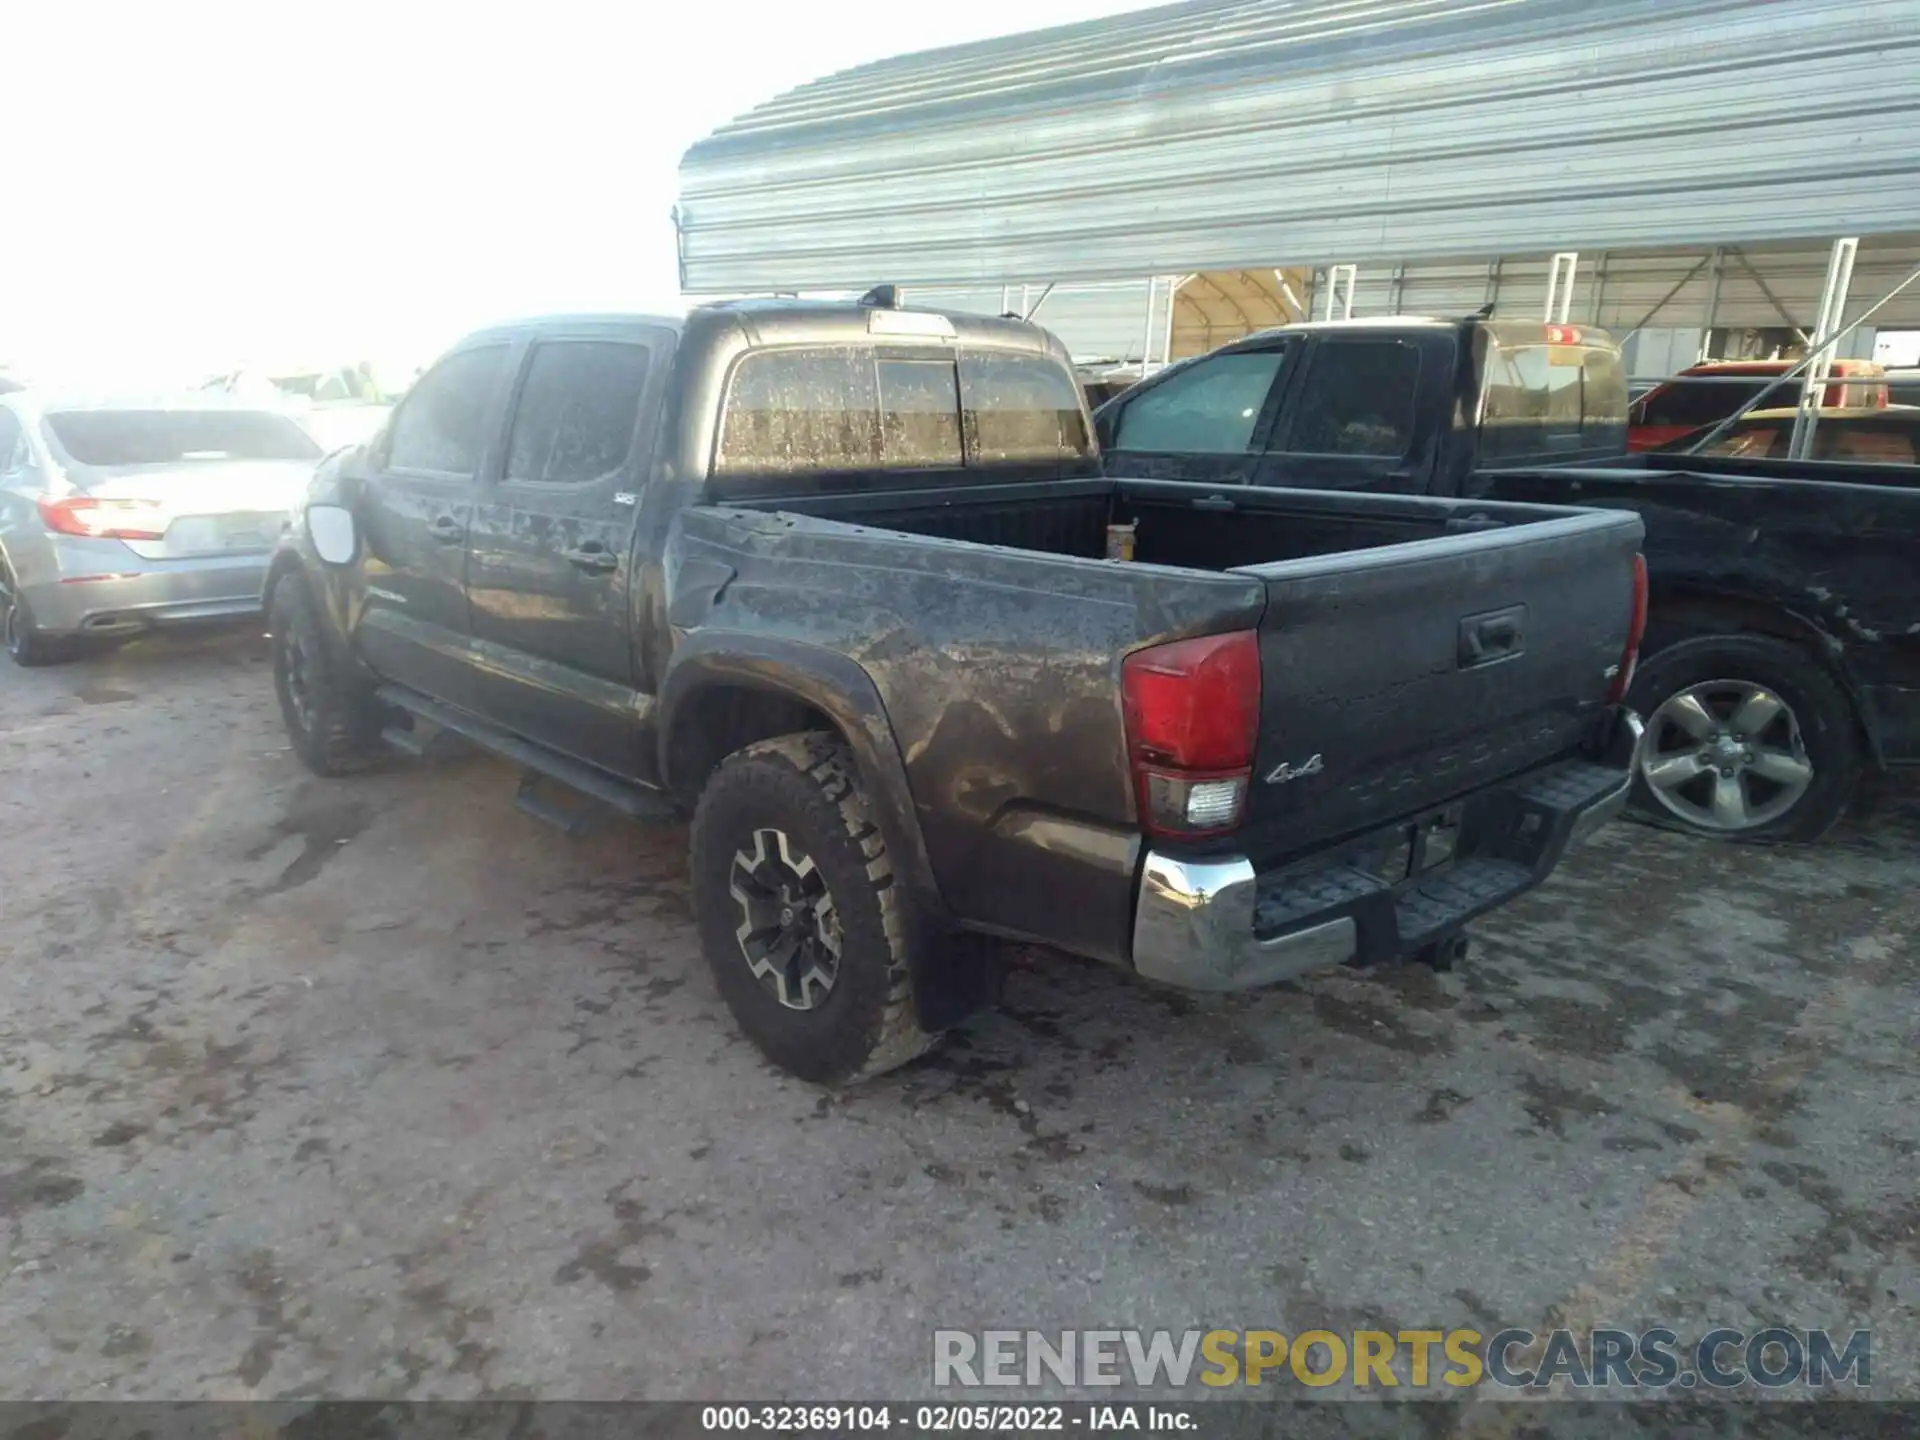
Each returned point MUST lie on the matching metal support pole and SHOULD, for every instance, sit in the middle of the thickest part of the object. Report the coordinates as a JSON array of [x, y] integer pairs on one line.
[[1397, 289], [1833, 310], [1493, 281], [1028, 310], [1599, 293], [1719, 263], [1174, 285], [1560, 279], [1146, 334], [1335, 299], [1299, 304]]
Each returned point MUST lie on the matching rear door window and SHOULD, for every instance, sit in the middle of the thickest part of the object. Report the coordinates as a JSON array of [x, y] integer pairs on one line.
[[441, 426], [1210, 408], [1358, 400], [578, 408]]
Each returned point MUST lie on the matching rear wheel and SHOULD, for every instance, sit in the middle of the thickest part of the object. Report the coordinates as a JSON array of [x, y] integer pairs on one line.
[[27, 644], [799, 915], [1748, 738], [330, 714]]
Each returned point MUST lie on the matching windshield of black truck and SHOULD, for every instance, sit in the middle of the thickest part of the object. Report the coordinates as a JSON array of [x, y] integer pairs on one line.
[[792, 414]]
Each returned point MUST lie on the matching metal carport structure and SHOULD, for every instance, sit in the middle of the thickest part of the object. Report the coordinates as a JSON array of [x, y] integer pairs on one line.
[[1445, 148]]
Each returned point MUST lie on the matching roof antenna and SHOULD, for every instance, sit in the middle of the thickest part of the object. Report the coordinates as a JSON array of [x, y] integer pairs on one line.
[[882, 297]]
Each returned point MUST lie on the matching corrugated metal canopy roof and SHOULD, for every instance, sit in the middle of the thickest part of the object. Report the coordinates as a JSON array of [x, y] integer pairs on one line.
[[1224, 133]]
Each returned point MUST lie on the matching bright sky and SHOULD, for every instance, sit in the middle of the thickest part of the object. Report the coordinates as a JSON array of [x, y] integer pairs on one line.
[[193, 185]]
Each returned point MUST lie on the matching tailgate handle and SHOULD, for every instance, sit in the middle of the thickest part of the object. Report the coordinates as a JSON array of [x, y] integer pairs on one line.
[[1213, 502], [1496, 635]]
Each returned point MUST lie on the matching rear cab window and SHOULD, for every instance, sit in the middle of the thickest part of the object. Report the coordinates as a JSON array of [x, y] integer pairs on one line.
[[1759, 440], [171, 437], [812, 413], [1866, 444], [1550, 391]]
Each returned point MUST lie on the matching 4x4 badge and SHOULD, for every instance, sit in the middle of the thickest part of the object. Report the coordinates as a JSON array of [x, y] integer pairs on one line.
[[1286, 770]]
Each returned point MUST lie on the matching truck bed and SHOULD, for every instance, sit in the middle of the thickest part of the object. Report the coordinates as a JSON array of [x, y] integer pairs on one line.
[[1177, 524], [1415, 648]]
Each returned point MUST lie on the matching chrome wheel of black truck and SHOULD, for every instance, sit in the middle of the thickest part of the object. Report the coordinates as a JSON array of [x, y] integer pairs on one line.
[[1747, 738]]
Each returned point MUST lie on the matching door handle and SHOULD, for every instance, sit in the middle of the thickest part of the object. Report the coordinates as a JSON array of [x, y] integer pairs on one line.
[[447, 530], [591, 557]]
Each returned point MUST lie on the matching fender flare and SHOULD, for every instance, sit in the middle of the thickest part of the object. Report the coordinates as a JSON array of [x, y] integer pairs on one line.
[[951, 980], [824, 679]]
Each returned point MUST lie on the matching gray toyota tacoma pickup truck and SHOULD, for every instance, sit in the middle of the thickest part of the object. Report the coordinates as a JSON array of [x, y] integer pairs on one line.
[[845, 583]]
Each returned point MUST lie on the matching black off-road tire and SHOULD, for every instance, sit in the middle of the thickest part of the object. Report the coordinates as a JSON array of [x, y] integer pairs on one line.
[[806, 786], [336, 730], [1828, 727], [28, 646]]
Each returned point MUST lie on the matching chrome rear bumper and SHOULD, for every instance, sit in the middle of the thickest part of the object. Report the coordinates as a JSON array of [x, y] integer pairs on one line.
[[1218, 924]]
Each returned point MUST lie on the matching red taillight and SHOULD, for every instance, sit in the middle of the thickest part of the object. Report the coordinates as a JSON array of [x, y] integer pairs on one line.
[[1193, 714], [1636, 632], [1564, 335], [98, 519]]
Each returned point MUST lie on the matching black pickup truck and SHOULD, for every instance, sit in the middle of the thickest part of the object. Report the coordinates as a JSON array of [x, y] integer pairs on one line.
[[1782, 655], [836, 580]]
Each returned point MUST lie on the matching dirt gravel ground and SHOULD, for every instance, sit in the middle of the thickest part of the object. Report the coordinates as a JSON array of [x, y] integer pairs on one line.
[[379, 1088]]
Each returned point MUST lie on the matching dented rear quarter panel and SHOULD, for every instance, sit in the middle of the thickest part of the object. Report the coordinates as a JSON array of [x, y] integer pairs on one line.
[[1833, 547]]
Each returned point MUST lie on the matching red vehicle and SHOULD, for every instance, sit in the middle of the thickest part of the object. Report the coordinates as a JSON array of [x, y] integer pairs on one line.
[[1676, 408]]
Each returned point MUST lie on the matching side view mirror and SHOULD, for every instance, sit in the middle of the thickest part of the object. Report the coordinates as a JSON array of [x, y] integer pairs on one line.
[[334, 538]]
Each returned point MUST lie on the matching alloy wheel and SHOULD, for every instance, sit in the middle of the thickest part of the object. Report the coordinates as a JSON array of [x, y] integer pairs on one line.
[[789, 931], [296, 669], [1726, 755], [10, 616]]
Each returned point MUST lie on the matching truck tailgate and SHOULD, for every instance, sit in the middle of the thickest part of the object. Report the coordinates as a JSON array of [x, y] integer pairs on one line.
[[1398, 678]]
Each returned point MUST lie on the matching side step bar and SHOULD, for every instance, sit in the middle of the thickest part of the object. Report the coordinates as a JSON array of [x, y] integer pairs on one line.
[[635, 801]]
